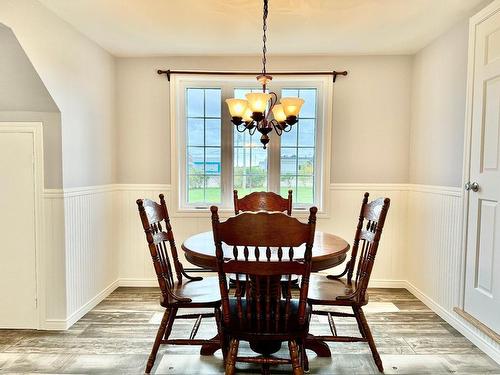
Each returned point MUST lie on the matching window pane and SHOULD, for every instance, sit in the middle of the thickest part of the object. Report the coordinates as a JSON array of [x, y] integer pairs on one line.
[[306, 161], [288, 182], [195, 132], [258, 182], [196, 189], [195, 102], [259, 160], [290, 138], [212, 132], [212, 160], [196, 160], [298, 150], [249, 158], [305, 190], [212, 103], [203, 157], [308, 109], [289, 92], [306, 129], [213, 189]]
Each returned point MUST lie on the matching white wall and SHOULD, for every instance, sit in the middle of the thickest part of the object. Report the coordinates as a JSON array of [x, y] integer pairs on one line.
[[80, 77], [434, 251], [438, 110], [371, 111]]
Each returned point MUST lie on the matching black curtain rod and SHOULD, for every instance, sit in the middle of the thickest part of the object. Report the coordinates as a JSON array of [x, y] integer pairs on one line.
[[333, 73]]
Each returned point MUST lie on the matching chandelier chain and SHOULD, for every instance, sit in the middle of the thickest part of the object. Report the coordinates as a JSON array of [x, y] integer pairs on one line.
[[264, 37]]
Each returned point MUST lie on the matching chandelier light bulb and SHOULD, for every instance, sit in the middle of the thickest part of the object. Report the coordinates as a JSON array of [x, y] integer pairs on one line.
[[292, 106], [237, 107], [247, 116], [257, 101], [278, 113]]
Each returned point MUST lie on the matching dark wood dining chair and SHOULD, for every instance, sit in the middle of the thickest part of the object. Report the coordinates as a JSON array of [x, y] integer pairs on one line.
[[178, 289], [261, 248], [262, 201], [337, 290]]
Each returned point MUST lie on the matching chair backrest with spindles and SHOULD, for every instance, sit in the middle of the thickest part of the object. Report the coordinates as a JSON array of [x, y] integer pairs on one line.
[[262, 201], [156, 224], [260, 248], [366, 240]]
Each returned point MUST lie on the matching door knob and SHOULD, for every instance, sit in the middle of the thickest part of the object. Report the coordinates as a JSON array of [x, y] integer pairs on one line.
[[474, 186]]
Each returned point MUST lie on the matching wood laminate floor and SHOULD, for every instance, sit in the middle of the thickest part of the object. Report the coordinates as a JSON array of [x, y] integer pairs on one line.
[[116, 338]]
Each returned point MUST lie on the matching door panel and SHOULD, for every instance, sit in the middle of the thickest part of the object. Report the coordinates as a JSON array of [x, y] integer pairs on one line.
[[17, 231], [482, 289]]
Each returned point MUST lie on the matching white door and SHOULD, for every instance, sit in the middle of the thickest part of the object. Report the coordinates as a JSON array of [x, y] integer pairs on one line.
[[17, 231], [482, 290]]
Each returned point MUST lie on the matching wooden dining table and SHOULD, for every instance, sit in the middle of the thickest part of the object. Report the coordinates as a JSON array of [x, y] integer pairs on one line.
[[328, 251]]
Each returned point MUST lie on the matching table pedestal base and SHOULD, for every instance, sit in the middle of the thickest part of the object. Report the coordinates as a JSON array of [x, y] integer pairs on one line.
[[319, 347]]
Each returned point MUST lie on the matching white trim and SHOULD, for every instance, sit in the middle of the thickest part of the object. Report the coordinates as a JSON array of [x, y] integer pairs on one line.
[[323, 137], [456, 322], [474, 21], [36, 129], [435, 189], [369, 187], [63, 324]]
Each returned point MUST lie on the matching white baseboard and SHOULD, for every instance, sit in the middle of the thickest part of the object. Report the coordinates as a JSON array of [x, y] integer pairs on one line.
[[77, 315], [456, 322], [384, 283], [136, 282]]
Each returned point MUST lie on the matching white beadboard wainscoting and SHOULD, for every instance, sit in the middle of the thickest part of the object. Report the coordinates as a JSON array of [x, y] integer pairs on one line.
[[85, 271], [103, 245], [135, 262], [434, 257]]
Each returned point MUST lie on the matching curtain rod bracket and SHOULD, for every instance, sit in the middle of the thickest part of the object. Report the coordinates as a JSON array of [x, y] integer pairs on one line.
[[167, 72], [335, 74]]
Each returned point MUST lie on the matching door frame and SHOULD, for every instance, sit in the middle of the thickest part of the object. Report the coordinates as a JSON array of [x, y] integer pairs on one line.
[[36, 129], [476, 19]]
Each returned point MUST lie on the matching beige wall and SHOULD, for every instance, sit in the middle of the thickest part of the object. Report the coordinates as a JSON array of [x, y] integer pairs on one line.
[[438, 110], [80, 77], [371, 112]]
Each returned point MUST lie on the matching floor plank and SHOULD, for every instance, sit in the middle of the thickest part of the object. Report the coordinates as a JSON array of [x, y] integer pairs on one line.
[[116, 338]]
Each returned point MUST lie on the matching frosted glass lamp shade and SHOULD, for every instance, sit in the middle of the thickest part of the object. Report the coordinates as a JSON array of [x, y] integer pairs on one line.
[[291, 106], [237, 107], [257, 101], [247, 116], [278, 113]]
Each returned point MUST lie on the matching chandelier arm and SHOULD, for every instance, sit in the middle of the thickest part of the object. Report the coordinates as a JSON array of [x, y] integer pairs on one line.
[[276, 126], [252, 131], [273, 100], [238, 129], [289, 127]]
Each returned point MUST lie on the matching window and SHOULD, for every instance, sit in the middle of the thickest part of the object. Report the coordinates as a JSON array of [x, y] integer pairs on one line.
[[211, 157]]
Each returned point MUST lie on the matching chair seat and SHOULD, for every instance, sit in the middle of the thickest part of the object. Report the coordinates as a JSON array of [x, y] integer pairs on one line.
[[203, 293], [253, 328], [323, 291]]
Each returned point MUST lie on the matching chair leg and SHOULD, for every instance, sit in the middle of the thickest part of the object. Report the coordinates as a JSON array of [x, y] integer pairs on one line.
[[231, 357], [159, 336], [368, 335], [168, 330], [305, 360], [221, 335], [294, 356]]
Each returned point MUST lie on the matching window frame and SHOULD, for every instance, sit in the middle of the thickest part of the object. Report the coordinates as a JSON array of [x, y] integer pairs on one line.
[[178, 129]]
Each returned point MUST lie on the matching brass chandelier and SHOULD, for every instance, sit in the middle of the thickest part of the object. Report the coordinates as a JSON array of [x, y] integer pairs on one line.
[[252, 113]]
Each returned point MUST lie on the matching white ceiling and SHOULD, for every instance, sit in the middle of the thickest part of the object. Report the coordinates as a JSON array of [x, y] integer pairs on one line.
[[234, 27]]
